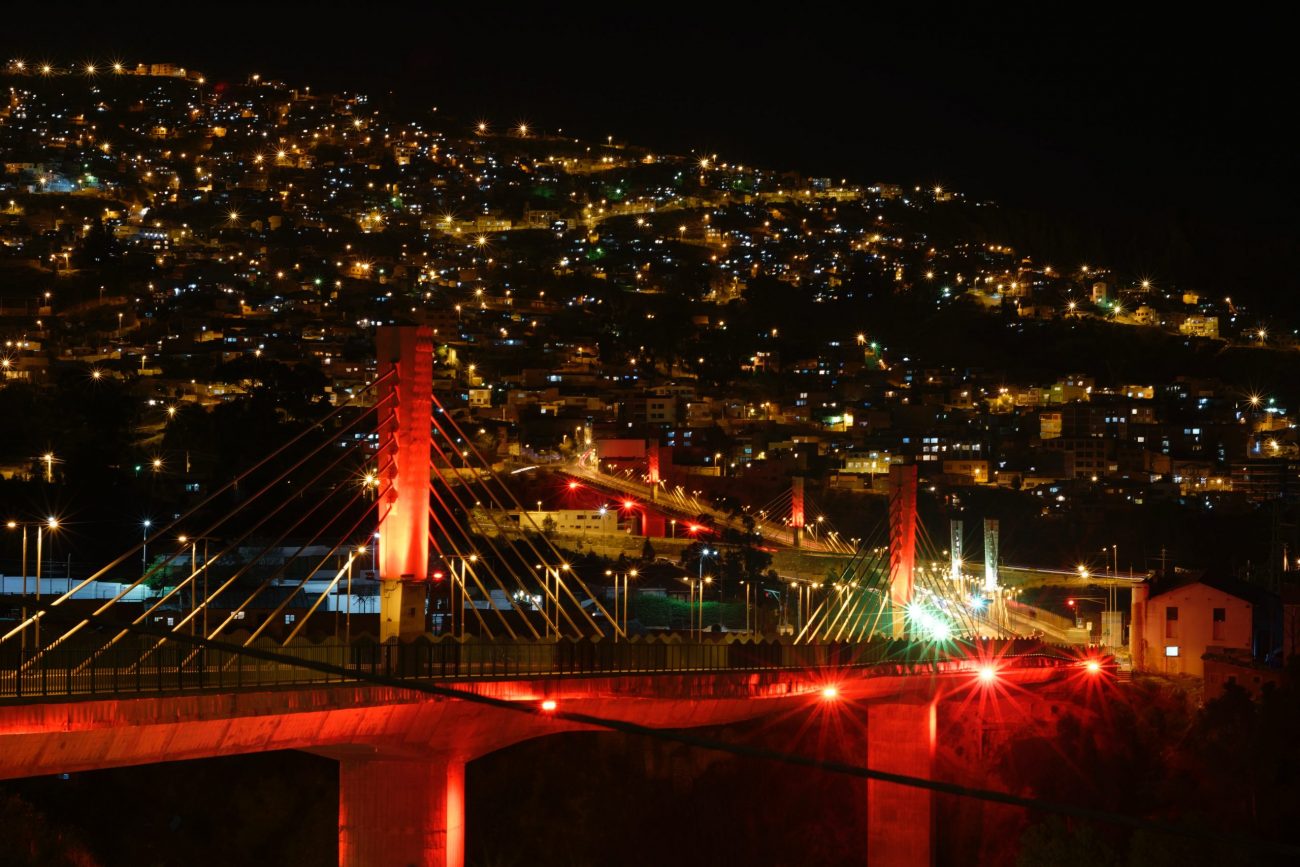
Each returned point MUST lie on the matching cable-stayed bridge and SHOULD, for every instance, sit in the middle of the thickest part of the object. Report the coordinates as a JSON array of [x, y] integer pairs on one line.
[[234, 652]]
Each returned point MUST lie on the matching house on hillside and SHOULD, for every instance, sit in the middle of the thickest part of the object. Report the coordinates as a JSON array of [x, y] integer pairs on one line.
[[1191, 615]]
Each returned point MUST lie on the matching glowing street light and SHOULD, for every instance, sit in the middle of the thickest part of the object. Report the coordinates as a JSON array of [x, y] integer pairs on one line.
[[144, 546]]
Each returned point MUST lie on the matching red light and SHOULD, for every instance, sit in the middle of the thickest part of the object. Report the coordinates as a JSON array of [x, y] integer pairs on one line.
[[629, 504], [438, 576], [988, 673], [830, 692], [1069, 602], [1093, 666], [548, 705], [693, 528], [573, 486]]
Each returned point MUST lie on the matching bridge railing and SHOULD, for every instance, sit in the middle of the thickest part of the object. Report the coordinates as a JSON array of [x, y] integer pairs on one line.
[[148, 666]]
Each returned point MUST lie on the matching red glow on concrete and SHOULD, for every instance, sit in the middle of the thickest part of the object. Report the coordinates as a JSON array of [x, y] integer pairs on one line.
[[405, 356], [900, 740], [401, 811], [405, 440], [902, 540], [796, 502]]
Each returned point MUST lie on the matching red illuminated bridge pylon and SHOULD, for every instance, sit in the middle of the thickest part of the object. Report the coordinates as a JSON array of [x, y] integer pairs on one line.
[[405, 443]]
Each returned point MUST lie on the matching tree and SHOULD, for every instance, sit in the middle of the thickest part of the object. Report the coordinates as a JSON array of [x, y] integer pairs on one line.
[[27, 837], [1054, 843]]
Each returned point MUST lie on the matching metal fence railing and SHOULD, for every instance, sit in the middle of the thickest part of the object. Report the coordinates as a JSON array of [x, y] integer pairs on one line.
[[143, 664]]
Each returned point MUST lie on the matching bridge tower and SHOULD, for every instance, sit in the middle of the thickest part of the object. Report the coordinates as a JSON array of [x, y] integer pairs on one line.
[[796, 510], [652, 457], [405, 355], [902, 542], [954, 548], [990, 555]]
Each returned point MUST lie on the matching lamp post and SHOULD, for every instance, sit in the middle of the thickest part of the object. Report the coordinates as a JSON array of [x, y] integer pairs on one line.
[[696, 614], [195, 568], [51, 524], [1112, 595], [144, 547], [455, 594], [748, 588], [631, 573], [13, 525], [185, 543], [705, 552]]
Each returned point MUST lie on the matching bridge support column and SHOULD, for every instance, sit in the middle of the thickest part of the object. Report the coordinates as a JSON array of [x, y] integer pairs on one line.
[[401, 812], [902, 543], [796, 511], [900, 819]]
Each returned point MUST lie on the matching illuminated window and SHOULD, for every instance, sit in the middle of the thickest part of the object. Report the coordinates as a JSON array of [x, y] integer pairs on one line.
[[1171, 650]]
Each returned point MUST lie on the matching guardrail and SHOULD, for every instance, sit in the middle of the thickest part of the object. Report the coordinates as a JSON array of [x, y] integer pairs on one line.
[[148, 665]]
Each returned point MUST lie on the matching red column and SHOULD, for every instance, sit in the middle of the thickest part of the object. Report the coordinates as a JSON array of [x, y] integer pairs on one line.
[[399, 813], [652, 461], [900, 819], [902, 541], [796, 510], [405, 440]]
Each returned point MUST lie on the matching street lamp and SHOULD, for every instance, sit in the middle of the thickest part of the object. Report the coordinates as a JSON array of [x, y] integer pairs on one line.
[[749, 587], [347, 621], [195, 568], [51, 524], [13, 525], [144, 547], [631, 573], [461, 592], [706, 552]]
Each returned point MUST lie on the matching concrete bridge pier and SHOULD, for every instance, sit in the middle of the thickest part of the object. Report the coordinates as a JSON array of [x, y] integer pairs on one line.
[[401, 812], [901, 739]]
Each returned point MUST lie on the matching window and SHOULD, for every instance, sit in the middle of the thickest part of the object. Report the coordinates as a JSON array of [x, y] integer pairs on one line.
[[1220, 623], [1171, 622], [1171, 650]]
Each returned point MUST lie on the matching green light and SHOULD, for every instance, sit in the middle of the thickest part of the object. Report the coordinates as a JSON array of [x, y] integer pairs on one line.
[[929, 623]]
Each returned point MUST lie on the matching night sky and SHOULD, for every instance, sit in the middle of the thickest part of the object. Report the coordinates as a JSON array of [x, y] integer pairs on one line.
[[1161, 146]]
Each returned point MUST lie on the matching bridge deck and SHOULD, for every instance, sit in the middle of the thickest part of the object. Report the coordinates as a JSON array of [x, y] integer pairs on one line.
[[149, 667]]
